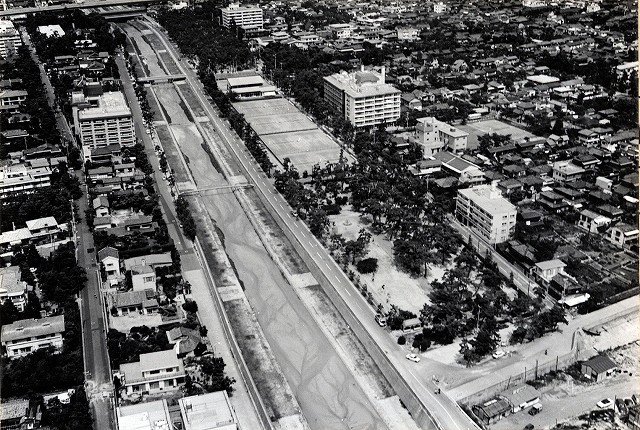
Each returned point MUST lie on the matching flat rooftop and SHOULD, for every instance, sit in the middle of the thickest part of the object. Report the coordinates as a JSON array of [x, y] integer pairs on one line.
[[110, 104], [488, 199]]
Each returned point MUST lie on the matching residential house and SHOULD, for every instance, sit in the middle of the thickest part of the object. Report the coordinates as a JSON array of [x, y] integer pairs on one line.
[[598, 368], [563, 285], [623, 235], [565, 171], [25, 336], [152, 260], [20, 414], [12, 288], [155, 372], [184, 340], [520, 397], [101, 206], [592, 221], [110, 259], [546, 270], [464, 171], [132, 302], [143, 278]]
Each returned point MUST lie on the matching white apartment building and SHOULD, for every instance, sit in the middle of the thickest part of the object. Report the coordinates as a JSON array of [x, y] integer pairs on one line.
[[20, 179], [12, 97], [154, 373], [25, 336], [408, 33], [363, 97], [9, 39], [107, 121], [247, 17], [439, 7], [436, 136], [485, 211]]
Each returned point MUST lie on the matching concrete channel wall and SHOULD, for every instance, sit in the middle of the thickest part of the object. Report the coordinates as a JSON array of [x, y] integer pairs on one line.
[[414, 405], [235, 348]]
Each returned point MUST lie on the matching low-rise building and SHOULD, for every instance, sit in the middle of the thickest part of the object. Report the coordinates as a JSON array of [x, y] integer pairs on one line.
[[10, 39], [598, 368], [22, 179], [132, 302], [152, 415], [209, 411], [12, 288], [436, 136], [623, 235], [592, 221], [143, 278], [25, 336], [546, 270], [110, 259], [565, 171], [155, 372], [563, 286], [152, 260], [493, 410], [486, 212]]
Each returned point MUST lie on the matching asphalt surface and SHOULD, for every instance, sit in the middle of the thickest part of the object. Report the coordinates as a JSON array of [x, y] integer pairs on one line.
[[96, 358], [445, 411]]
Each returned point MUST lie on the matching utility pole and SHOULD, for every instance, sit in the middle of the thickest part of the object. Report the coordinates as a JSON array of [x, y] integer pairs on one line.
[[73, 229]]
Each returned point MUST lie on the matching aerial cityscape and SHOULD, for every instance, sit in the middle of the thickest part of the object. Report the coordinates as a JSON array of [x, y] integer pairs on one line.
[[320, 214]]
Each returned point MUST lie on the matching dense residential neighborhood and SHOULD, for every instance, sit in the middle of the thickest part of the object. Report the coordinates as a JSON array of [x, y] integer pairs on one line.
[[319, 214]]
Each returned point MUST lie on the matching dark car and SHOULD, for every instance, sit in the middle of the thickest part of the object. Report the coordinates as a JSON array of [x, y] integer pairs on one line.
[[528, 427]]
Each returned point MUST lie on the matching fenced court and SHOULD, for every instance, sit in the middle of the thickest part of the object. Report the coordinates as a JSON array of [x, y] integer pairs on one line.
[[491, 126], [289, 133]]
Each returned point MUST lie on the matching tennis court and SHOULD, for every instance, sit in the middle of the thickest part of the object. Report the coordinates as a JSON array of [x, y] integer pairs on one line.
[[289, 133], [491, 126]]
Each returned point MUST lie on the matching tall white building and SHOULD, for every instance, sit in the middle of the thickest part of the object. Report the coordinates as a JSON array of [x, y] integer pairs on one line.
[[247, 17], [363, 97], [435, 136], [486, 212], [9, 39], [107, 121]]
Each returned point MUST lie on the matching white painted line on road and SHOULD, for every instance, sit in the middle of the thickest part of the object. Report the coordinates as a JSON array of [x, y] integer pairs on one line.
[[347, 291], [302, 233], [319, 254]]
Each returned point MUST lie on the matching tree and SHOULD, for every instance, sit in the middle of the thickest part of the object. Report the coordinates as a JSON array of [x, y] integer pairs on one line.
[[8, 313], [318, 222], [367, 265]]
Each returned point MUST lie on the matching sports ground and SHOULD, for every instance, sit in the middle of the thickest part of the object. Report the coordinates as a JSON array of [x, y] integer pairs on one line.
[[491, 126], [287, 132]]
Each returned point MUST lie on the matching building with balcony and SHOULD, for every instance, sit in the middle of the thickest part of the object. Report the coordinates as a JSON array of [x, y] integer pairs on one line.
[[25, 336], [246, 16], [12, 97], [154, 373], [105, 121], [23, 179], [486, 212], [363, 97], [9, 39], [12, 288]]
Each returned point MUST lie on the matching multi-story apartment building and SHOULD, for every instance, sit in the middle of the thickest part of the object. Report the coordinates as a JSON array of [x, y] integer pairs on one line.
[[155, 372], [25, 336], [12, 97], [21, 178], [107, 121], [363, 97], [9, 39], [485, 211], [435, 136], [247, 17]]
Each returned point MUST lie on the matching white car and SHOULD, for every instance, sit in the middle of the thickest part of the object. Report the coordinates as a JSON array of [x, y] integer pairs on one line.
[[498, 354], [604, 403], [413, 358]]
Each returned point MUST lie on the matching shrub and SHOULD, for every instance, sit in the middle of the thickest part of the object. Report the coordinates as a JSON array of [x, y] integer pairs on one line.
[[367, 265], [402, 340], [190, 306]]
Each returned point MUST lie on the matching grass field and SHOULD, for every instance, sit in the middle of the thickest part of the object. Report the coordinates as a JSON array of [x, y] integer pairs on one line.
[[192, 100], [491, 126]]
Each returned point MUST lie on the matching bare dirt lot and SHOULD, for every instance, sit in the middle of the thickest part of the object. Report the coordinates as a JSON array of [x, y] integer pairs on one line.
[[388, 285]]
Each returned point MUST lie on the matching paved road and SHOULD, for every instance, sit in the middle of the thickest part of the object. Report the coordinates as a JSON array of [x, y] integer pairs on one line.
[[69, 6], [327, 392], [96, 358], [520, 280], [444, 409]]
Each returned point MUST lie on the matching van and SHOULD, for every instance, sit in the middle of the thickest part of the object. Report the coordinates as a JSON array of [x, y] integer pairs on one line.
[[535, 409], [381, 320]]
